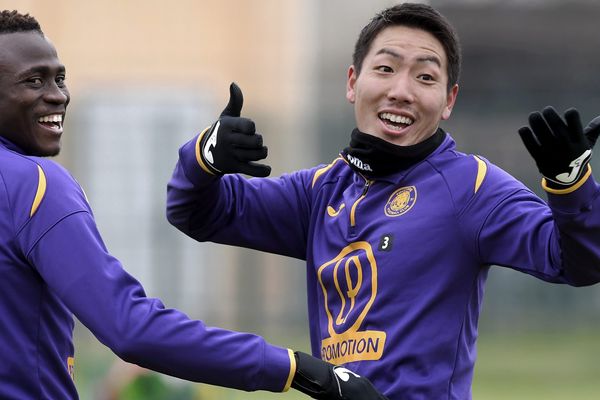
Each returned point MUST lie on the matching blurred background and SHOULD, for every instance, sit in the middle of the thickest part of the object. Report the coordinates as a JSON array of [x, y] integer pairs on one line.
[[147, 75]]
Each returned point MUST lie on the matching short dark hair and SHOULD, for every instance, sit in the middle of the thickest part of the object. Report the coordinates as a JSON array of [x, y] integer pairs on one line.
[[13, 21], [413, 15]]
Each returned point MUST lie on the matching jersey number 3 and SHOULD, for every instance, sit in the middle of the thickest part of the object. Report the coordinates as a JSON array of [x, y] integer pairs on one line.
[[385, 243]]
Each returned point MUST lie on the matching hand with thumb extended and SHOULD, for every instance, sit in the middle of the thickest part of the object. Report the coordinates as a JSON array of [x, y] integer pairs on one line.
[[231, 144]]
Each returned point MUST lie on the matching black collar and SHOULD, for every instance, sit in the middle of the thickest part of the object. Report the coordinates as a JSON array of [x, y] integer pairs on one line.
[[373, 157]]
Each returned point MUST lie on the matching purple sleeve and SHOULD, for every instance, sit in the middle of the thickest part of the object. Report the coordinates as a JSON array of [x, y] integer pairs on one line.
[[577, 217], [557, 242], [268, 214], [74, 262]]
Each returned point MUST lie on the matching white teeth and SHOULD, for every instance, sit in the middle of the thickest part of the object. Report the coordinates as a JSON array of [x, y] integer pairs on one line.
[[51, 118], [399, 119]]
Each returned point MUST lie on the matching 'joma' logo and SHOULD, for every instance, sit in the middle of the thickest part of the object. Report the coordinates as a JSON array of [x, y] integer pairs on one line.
[[570, 177], [359, 164]]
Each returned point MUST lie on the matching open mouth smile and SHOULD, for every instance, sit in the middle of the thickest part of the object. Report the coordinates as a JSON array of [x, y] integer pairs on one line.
[[394, 121], [53, 122]]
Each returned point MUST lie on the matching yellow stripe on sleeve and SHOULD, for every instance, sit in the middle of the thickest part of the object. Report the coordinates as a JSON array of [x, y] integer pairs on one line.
[[481, 172], [41, 190], [290, 378], [198, 157]]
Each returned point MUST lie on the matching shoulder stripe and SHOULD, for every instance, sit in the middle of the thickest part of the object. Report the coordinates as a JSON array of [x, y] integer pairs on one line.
[[41, 190], [481, 172], [321, 171]]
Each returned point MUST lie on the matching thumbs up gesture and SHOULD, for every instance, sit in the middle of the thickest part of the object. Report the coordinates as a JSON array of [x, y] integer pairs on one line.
[[231, 145]]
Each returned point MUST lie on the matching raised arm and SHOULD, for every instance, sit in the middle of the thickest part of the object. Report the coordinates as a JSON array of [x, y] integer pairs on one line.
[[209, 200], [562, 151]]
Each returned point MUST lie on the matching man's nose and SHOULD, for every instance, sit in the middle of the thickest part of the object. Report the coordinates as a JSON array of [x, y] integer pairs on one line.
[[402, 89], [56, 94]]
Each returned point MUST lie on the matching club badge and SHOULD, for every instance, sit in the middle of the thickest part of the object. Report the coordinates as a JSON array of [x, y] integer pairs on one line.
[[401, 201]]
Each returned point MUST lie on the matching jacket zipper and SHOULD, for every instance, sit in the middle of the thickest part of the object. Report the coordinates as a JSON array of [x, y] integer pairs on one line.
[[362, 196]]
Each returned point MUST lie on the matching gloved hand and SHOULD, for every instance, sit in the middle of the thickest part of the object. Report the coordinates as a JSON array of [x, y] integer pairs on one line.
[[231, 144], [561, 148], [324, 381]]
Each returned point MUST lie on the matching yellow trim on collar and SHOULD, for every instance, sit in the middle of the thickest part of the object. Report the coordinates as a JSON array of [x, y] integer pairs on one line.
[[198, 156], [290, 378], [41, 190], [570, 189]]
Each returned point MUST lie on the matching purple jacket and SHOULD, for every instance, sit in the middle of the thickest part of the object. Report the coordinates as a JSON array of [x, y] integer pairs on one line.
[[396, 267], [53, 263]]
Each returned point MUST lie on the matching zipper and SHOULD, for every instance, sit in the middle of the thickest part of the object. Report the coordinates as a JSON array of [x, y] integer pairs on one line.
[[362, 196]]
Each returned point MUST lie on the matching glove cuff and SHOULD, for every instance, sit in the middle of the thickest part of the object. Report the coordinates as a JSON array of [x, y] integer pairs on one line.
[[552, 187], [293, 368], [206, 166], [313, 376]]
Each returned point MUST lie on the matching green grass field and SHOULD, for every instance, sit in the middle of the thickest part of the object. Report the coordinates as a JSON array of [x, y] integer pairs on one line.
[[538, 366], [517, 365]]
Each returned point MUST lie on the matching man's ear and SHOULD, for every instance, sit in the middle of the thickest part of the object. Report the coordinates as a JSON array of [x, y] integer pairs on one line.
[[350, 92], [450, 101]]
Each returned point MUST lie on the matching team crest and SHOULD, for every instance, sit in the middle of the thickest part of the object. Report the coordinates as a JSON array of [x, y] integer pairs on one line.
[[401, 201]]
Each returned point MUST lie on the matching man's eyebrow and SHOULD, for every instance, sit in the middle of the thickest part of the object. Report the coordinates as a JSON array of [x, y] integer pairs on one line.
[[42, 69], [390, 52], [421, 59], [432, 59]]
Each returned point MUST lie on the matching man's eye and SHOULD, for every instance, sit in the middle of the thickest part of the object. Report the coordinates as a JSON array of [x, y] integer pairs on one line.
[[426, 77], [36, 81], [60, 80], [384, 68]]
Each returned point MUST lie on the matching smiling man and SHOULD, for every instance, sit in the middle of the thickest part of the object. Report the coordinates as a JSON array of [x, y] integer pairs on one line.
[[403, 91], [399, 232], [53, 264], [31, 117]]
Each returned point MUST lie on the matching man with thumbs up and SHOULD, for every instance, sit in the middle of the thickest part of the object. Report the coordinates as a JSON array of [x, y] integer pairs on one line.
[[399, 231], [54, 264]]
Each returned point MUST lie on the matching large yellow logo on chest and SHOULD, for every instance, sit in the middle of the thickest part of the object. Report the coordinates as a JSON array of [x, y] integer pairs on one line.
[[349, 284], [401, 201]]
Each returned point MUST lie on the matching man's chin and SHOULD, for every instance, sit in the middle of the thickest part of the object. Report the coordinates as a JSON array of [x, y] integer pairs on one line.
[[45, 152], [52, 153]]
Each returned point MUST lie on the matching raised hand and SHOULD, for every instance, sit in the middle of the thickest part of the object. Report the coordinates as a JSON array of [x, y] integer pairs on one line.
[[231, 144], [560, 147]]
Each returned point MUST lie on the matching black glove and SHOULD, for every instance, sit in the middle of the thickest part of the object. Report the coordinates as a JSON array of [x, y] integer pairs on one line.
[[324, 381], [561, 148], [231, 144]]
